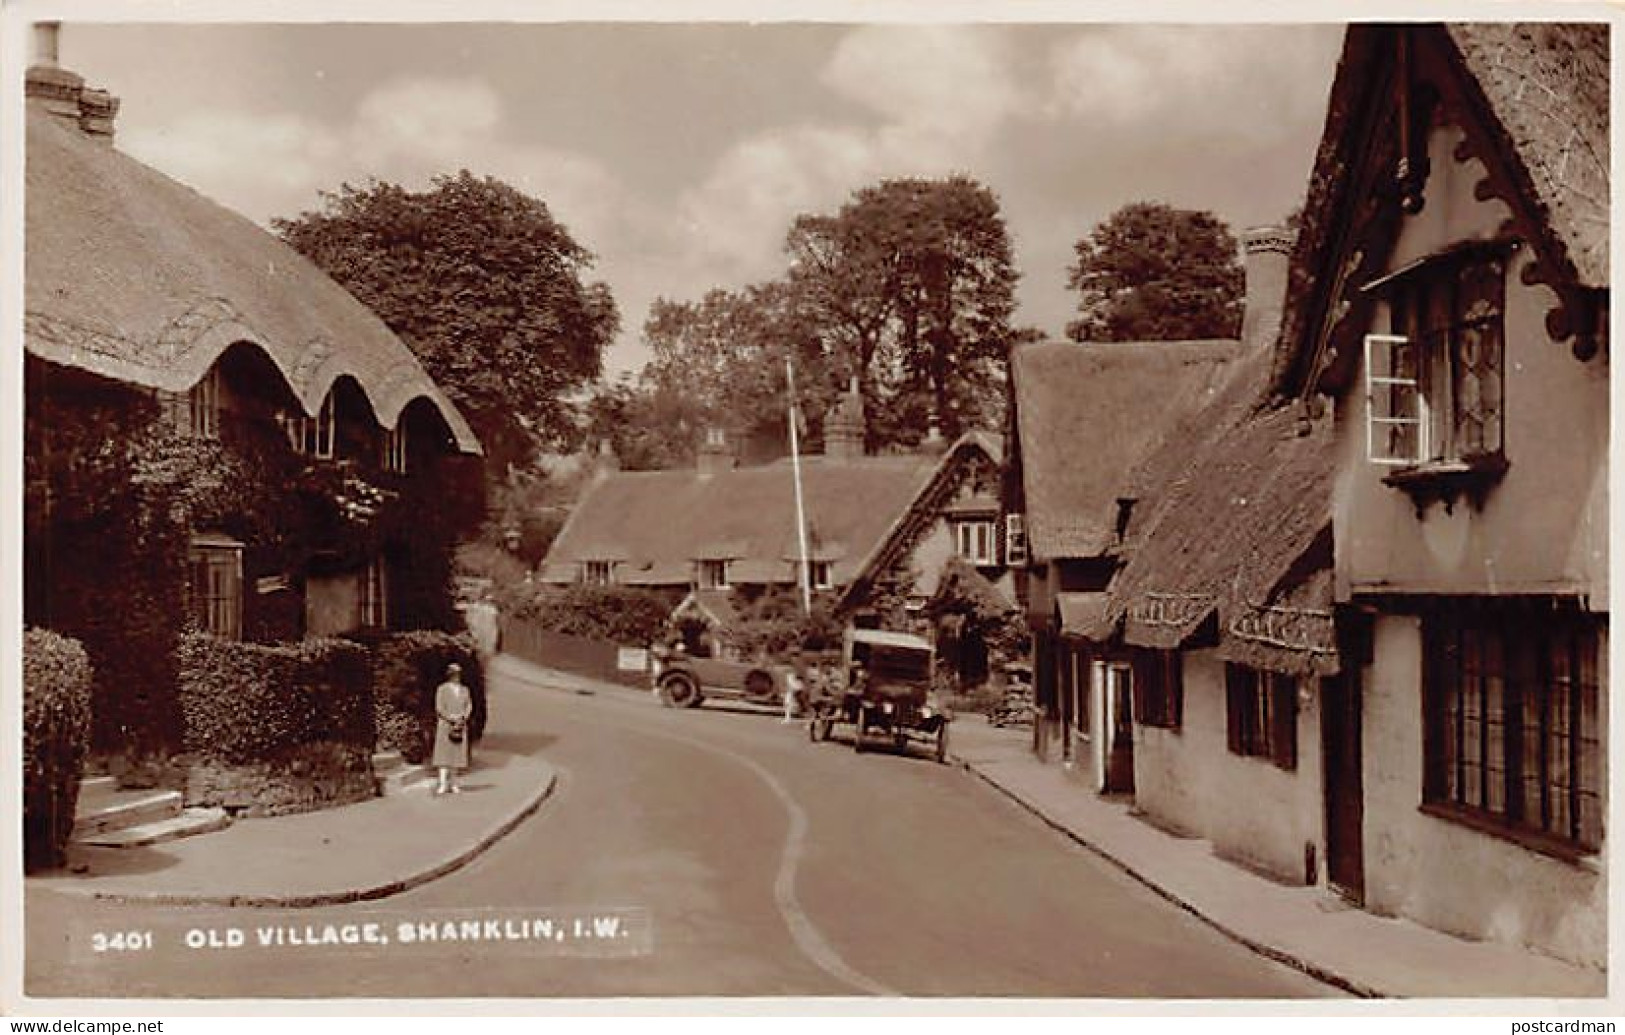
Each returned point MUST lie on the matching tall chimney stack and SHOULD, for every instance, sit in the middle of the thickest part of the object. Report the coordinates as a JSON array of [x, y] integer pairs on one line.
[[1266, 252], [62, 93], [46, 37]]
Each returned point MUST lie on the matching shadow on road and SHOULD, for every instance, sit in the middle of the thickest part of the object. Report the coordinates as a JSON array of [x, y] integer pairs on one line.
[[515, 742]]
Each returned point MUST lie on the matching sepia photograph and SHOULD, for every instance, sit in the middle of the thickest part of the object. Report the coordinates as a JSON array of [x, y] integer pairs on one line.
[[827, 509]]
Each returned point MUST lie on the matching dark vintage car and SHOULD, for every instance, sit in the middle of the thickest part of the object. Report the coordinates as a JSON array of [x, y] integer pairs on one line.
[[685, 681], [888, 694]]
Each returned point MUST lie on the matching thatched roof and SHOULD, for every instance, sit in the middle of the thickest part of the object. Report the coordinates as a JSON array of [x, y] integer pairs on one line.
[[656, 524], [1087, 415], [1544, 91], [1234, 519], [138, 278]]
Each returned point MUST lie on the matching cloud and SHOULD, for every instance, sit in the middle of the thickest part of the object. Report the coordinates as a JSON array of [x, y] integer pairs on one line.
[[1239, 80], [931, 80]]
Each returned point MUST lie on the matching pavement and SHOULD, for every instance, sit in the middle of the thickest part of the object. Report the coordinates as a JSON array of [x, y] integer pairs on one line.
[[367, 850], [1307, 928]]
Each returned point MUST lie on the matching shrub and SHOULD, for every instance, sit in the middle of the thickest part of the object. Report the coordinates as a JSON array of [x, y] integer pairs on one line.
[[56, 732], [247, 702], [620, 614], [407, 668]]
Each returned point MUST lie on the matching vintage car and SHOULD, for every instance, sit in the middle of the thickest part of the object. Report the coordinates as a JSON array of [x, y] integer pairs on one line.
[[888, 693], [684, 681]]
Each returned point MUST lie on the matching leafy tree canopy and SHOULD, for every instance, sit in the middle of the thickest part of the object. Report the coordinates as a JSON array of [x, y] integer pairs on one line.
[[484, 286], [1155, 273]]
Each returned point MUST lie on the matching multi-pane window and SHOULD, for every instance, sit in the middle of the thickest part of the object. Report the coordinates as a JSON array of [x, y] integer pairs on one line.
[[1513, 731], [1015, 539], [1434, 385], [313, 437], [215, 585], [819, 575], [373, 598], [973, 540], [1159, 688], [204, 405], [1262, 714], [598, 573], [394, 447], [713, 574]]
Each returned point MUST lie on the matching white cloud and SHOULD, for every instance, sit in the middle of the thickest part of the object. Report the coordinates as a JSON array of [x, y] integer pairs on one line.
[[944, 80]]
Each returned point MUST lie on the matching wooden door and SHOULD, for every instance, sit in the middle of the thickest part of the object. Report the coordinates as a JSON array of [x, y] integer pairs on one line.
[[1345, 800], [1119, 730]]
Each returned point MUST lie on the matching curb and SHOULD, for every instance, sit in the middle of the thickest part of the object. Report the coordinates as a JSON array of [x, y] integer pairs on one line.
[[1270, 952], [331, 898]]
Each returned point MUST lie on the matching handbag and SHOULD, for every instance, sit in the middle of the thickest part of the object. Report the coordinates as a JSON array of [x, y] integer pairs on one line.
[[455, 734]]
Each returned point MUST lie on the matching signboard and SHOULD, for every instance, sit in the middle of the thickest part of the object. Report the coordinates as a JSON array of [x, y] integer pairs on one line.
[[631, 659], [271, 584]]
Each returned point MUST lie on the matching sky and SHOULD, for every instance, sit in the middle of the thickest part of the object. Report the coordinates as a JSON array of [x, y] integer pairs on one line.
[[679, 153]]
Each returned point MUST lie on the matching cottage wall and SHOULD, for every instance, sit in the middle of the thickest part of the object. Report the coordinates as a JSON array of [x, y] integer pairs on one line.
[[1543, 528], [1441, 873], [331, 603], [1249, 809]]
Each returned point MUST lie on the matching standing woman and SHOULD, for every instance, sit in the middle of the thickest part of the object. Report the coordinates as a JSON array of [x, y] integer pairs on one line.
[[453, 704]]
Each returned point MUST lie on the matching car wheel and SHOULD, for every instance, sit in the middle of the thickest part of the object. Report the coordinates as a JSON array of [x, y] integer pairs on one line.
[[759, 686], [679, 691]]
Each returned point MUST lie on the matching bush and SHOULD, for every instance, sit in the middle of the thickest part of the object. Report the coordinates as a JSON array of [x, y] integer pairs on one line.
[[407, 668], [56, 733], [620, 614], [245, 702]]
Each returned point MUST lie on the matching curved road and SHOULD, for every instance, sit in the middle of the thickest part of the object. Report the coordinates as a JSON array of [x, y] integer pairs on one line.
[[767, 866]]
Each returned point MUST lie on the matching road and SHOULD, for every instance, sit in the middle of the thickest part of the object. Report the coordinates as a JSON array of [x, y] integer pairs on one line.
[[762, 864]]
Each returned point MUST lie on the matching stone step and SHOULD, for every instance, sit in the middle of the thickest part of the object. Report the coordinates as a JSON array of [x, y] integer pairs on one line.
[[121, 810], [96, 789], [406, 779], [386, 762], [188, 823]]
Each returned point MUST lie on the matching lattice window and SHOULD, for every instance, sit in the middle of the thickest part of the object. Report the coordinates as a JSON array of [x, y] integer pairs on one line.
[[598, 573], [1434, 386], [204, 405], [713, 574], [1261, 714], [1159, 688], [1015, 540], [394, 449], [974, 541], [373, 600], [1513, 733]]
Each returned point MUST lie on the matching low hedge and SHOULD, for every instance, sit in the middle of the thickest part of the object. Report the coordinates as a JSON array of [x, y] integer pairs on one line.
[[56, 734], [245, 702], [407, 668], [620, 614]]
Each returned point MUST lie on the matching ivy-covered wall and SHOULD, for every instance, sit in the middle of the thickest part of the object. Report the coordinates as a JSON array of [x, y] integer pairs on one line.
[[113, 492]]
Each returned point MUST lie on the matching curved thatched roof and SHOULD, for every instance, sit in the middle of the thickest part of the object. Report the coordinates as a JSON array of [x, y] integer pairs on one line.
[[1235, 518], [136, 277]]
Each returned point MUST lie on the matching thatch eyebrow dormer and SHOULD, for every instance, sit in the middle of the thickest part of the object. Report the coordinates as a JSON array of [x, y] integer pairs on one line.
[[132, 276]]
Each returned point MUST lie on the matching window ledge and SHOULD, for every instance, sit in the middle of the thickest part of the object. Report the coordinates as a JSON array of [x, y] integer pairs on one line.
[[1534, 841], [1447, 481]]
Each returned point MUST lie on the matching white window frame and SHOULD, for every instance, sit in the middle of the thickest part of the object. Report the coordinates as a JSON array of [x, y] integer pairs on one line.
[[974, 540], [820, 574], [712, 573], [395, 449], [204, 405], [372, 596], [598, 573], [1015, 539], [1384, 346]]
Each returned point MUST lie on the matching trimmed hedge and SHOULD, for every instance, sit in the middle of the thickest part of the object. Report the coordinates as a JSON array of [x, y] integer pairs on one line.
[[247, 702], [620, 614], [407, 668], [56, 734]]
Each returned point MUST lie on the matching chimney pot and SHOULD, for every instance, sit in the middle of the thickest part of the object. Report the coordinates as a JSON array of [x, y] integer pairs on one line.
[[46, 51], [1266, 251]]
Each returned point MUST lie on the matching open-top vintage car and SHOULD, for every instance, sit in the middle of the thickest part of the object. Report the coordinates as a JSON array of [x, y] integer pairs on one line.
[[888, 693], [684, 681]]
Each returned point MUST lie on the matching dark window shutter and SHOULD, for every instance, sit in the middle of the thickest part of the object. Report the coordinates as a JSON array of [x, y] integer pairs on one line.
[[1284, 737], [1235, 690], [1175, 679]]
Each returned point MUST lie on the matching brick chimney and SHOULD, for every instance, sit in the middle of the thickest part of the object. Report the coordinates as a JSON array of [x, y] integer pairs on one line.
[[844, 425], [52, 88], [714, 453], [1266, 251]]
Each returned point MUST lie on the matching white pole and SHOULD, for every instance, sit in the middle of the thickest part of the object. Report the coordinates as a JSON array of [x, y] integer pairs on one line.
[[802, 578]]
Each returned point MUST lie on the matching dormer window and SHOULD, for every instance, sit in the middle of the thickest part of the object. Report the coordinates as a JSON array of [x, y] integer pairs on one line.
[[204, 400], [1435, 383], [394, 448], [713, 574], [598, 573], [973, 540], [312, 437], [819, 575]]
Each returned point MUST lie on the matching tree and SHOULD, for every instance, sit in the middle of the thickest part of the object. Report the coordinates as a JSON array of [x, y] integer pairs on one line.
[[911, 287], [484, 286], [1155, 273]]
